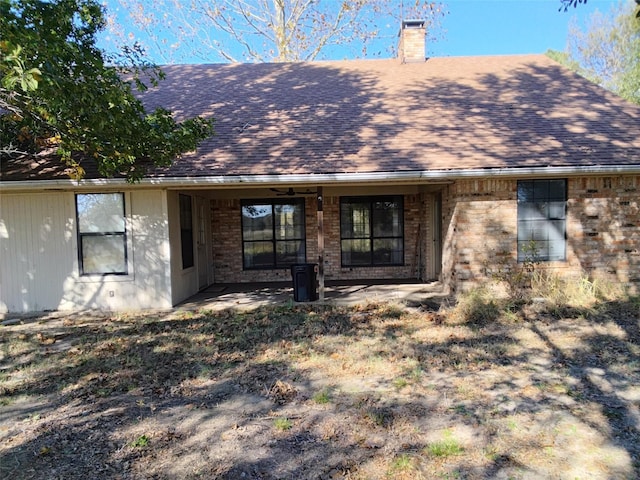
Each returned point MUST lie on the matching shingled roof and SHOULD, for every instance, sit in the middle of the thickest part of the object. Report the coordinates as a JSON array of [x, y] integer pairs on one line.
[[445, 114]]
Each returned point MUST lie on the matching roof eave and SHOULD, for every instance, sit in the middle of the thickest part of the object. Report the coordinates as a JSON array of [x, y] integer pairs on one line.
[[400, 177]]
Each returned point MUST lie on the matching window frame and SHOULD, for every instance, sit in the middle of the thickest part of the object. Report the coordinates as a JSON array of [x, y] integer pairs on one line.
[[537, 215], [80, 235], [371, 237], [273, 202]]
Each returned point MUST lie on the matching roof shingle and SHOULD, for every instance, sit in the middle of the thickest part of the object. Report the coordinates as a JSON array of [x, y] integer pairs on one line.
[[384, 116], [381, 115]]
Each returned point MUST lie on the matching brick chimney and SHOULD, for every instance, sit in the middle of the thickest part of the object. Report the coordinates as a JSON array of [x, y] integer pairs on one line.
[[411, 48]]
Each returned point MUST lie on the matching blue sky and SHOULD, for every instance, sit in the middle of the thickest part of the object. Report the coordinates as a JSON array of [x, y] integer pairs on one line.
[[486, 27], [482, 27]]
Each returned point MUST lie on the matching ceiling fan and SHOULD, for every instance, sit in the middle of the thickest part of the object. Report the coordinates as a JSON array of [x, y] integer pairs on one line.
[[290, 192]]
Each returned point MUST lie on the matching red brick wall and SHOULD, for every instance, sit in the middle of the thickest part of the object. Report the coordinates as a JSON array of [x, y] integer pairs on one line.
[[603, 229], [604, 226], [227, 243], [479, 228], [333, 268]]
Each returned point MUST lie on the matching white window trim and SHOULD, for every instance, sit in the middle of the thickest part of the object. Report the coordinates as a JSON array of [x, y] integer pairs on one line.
[[105, 277]]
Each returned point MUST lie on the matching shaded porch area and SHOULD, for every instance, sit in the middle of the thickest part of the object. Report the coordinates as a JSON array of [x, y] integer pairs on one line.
[[409, 292]]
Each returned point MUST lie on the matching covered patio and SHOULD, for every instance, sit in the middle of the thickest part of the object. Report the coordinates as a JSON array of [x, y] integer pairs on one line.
[[408, 292]]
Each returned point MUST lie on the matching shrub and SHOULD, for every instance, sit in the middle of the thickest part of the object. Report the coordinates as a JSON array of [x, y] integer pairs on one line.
[[477, 306], [282, 424]]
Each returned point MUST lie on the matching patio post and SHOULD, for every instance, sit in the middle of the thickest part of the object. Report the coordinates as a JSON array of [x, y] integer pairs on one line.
[[320, 246]]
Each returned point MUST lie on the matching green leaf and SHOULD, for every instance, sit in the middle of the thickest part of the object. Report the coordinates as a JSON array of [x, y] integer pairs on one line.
[[67, 89]]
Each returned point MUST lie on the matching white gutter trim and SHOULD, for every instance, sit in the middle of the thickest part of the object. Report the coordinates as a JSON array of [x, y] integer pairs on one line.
[[424, 176]]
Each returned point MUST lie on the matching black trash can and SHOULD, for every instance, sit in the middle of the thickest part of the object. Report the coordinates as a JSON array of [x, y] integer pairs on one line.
[[305, 284]]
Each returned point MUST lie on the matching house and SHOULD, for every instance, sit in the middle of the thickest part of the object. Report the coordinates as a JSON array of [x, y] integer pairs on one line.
[[375, 169]]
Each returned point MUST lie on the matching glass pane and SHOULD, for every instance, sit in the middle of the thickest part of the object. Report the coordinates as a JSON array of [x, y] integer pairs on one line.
[[530, 250], [540, 190], [525, 191], [186, 231], [186, 217], [257, 222], [556, 250], [258, 254], [556, 230], [539, 231], [525, 231], [532, 211], [288, 253], [540, 253], [186, 241], [103, 254], [557, 210], [541, 221], [387, 219], [354, 220], [387, 251], [356, 252], [100, 212], [557, 190], [289, 221]]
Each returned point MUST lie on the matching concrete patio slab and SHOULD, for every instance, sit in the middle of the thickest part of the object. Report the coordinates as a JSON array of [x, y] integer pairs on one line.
[[411, 293], [252, 295]]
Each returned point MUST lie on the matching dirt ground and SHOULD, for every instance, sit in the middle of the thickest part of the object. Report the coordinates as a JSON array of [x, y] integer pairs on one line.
[[318, 392]]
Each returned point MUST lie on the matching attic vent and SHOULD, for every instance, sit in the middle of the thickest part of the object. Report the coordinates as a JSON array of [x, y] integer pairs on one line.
[[412, 41]]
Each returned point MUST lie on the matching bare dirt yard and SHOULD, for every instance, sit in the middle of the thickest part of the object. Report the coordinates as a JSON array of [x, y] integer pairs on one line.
[[320, 392]]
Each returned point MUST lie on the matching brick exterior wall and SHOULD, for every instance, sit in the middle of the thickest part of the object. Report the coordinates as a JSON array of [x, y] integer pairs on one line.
[[480, 227], [603, 230], [411, 267], [604, 227], [411, 47], [479, 232], [227, 243]]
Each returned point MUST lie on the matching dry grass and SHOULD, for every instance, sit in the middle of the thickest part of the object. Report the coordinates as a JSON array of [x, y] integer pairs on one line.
[[484, 389]]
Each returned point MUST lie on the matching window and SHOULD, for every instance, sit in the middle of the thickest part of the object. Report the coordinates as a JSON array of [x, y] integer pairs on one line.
[[273, 233], [542, 219], [102, 242], [186, 231], [371, 231]]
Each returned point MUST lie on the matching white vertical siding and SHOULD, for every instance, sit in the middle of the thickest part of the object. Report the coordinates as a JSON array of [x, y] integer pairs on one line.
[[37, 250], [184, 281], [39, 258], [150, 253]]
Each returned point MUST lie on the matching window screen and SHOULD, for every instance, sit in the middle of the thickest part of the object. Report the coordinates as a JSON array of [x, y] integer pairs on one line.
[[542, 220]]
